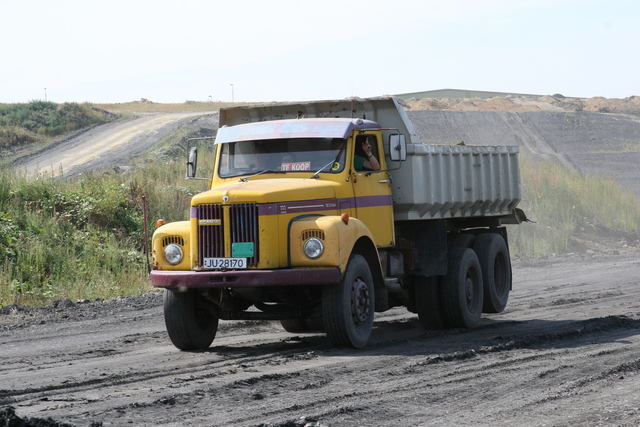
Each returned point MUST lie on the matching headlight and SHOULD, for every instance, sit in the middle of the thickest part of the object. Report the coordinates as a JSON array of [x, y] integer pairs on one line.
[[313, 248], [173, 254]]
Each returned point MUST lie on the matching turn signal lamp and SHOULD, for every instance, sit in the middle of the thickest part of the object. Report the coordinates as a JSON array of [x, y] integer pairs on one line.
[[160, 222], [345, 218]]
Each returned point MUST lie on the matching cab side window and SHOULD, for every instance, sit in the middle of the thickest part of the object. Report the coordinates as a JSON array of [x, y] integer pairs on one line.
[[366, 154]]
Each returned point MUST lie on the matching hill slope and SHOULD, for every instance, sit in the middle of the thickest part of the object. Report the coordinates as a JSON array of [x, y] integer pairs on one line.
[[605, 144]]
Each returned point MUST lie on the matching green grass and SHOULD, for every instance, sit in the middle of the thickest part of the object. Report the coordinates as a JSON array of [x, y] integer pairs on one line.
[[561, 201], [84, 238]]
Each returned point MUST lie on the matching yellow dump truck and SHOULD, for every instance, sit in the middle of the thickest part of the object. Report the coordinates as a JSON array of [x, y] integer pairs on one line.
[[321, 213]]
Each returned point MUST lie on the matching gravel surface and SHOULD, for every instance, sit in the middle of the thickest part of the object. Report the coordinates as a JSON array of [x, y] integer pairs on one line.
[[565, 352]]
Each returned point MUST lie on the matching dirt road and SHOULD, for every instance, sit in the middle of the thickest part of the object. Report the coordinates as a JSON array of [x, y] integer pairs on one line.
[[107, 144], [565, 352]]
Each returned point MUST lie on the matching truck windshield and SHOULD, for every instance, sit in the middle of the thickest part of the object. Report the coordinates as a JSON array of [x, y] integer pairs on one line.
[[282, 155]]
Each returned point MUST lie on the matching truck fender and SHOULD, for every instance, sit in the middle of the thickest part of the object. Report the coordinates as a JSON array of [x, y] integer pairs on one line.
[[340, 239], [175, 232]]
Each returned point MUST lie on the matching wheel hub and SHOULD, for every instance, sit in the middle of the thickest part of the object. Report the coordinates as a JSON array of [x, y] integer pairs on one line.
[[360, 303], [469, 289]]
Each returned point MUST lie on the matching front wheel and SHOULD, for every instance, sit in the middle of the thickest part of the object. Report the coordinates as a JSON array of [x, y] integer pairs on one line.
[[191, 326], [347, 308]]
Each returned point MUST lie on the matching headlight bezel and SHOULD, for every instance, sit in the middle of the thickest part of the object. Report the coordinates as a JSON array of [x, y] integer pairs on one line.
[[173, 256], [313, 248]]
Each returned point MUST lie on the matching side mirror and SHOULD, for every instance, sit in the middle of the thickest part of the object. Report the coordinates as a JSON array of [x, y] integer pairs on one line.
[[192, 162], [397, 147]]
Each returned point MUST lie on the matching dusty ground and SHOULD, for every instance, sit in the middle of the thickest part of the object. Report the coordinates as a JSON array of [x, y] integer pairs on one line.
[[565, 352]]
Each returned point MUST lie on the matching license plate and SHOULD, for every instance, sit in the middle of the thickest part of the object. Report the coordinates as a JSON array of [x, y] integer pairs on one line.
[[225, 263]]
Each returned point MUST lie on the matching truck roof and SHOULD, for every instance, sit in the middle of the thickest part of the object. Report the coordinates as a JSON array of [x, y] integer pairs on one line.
[[298, 128], [386, 111]]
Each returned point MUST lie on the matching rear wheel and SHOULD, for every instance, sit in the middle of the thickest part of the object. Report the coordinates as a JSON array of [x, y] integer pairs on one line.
[[462, 241], [495, 263], [462, 293], [191, 326], [347, 308]]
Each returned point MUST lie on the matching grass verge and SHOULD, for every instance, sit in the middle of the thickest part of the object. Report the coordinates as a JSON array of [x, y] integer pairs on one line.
[[561, 202], [83, 238]]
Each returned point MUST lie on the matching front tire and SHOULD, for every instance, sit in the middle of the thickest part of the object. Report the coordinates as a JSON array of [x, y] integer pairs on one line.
[[191, 326], [347, 308], [462, 293]]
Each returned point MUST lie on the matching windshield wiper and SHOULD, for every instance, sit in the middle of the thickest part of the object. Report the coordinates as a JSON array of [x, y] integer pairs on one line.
[[244, 178], [315, 175]]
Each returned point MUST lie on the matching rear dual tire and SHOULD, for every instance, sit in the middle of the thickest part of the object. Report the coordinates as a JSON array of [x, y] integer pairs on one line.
[[462, 291], [495, 264]]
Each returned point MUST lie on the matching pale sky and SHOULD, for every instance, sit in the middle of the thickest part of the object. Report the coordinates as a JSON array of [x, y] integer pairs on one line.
[[167, 51]]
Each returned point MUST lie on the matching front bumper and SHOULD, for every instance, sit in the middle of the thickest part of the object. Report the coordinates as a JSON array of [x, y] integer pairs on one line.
[[244, 278]]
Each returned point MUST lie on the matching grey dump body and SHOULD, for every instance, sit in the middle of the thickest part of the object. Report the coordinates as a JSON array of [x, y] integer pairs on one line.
[[435, 181]]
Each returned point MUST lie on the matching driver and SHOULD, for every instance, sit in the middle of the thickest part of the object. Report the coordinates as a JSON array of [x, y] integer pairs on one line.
[[364, 159]]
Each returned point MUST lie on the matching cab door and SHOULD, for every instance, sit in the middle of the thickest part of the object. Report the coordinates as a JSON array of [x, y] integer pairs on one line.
[[372, 190]]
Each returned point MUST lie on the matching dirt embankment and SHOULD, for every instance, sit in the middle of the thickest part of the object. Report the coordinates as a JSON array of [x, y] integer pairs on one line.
[[553, 103], [110, 145]]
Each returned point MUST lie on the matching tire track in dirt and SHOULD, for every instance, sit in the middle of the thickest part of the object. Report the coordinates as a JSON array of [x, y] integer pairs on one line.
[[407, 376]]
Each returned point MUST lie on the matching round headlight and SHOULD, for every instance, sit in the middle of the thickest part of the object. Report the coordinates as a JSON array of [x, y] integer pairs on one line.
[[173, 254], [313, 248]]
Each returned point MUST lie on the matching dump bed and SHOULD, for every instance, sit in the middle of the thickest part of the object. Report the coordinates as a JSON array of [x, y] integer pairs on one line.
[[456, 181], [435, 181]]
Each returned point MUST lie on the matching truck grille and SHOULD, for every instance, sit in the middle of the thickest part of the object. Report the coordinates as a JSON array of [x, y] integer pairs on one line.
[[172, 239], [243, 227]]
